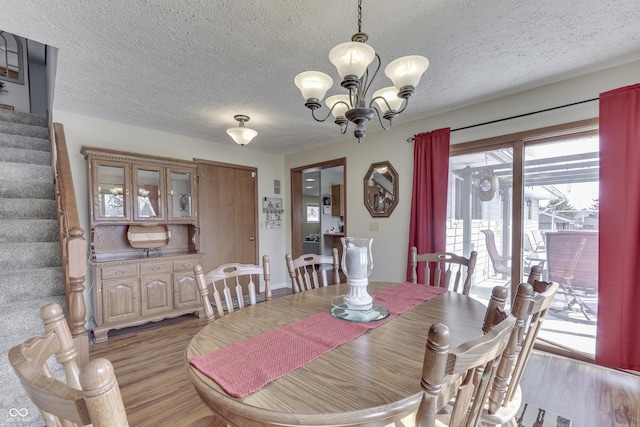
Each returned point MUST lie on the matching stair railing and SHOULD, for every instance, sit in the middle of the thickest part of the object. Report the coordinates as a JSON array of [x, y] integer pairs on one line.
[[73, 243]]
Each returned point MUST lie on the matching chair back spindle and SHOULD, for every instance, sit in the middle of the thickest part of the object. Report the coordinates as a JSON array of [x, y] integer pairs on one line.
[[228, 277], [529, 308], [309, 271], [441, 267]]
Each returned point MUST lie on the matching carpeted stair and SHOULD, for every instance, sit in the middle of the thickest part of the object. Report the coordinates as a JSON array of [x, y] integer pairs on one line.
[[30, 259]]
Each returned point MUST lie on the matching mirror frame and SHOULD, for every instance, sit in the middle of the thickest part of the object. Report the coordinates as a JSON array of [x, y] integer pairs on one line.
[[367, 177]]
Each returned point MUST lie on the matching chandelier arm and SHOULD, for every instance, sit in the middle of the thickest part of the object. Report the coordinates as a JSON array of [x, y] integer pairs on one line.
[[368, 81], [405, 102], [403, 106], [380, 119], [313, 112], [343, 128]]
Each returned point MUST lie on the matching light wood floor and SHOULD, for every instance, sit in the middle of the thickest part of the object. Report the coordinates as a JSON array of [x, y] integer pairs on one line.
[[156, 391]]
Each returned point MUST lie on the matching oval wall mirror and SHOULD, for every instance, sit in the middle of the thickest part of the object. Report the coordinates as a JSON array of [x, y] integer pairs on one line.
[[381, 189]]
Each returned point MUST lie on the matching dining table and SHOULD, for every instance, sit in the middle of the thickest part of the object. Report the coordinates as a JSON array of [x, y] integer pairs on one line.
[[370, 380]]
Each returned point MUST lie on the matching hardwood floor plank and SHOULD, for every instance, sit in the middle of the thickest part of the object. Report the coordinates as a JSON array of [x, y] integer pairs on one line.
[[591, 395], [149, 367]]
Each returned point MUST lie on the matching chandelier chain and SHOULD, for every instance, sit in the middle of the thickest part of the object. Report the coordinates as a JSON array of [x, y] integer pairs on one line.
[[359, 16]]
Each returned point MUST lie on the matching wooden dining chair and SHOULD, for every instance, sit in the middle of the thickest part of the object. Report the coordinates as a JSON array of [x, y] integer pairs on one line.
[[529, 308], [88, 396], [446, 269], [464, 373], [309, 271], [232, 276]]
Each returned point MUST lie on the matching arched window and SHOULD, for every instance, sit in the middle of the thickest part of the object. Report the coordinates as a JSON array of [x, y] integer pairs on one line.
[[11, 66]]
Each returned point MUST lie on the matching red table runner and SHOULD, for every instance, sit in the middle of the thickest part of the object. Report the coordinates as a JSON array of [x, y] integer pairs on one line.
[[247, 366]]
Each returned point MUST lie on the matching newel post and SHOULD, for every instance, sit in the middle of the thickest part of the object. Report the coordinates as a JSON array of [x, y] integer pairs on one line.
[[77, 253]]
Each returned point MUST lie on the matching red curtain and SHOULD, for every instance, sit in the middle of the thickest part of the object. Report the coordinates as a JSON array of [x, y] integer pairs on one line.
[[427, 227], [618, 339]]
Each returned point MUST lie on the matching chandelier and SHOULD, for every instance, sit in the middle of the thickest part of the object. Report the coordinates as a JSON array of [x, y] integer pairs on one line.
[[355, 64]]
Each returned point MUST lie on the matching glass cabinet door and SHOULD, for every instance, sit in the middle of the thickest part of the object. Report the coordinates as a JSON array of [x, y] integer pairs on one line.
[[148, 193], [111, 191], [181, 192]]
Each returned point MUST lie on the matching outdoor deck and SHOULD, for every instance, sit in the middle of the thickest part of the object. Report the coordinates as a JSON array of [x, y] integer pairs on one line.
[[568, 328]]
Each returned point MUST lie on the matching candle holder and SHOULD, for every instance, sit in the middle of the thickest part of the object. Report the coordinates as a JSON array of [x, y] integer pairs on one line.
[[357, 264]]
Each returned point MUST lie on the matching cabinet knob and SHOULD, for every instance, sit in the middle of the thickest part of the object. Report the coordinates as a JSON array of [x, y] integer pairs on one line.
[[186, 264], [155, 268], [119, 272]]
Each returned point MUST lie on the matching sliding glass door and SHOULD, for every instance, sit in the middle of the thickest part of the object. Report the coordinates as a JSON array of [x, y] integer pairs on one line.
[[532, 201], [561, 192]]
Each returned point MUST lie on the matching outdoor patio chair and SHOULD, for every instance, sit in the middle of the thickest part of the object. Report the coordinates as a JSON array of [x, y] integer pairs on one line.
[[500, 264]]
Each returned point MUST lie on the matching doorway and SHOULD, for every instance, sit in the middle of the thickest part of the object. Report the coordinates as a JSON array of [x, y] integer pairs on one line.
[[327, 182]]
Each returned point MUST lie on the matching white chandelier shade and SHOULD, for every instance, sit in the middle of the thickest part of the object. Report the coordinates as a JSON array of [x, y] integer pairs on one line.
[[406, 71], [339, 104], [390, 94], [313, 84], [352, 58]]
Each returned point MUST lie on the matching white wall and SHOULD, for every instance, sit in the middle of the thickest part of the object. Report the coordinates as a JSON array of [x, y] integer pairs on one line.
[[390, 244], [82, 130], [391, 241]]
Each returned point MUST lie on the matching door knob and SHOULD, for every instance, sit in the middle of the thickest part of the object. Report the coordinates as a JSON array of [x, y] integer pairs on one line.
[[252, 238]]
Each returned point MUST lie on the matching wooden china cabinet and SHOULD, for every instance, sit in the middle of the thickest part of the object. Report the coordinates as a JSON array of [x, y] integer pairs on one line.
[[144, 245]]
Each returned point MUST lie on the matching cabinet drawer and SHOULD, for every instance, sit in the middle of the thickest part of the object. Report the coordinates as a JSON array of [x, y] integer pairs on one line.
[[119, 271], [185, 264], [155, 268]]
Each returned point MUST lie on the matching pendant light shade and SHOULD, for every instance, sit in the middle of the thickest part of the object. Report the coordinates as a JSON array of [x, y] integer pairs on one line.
[[313, 84], [390, 95], [406, 71], [241, 135], [339, 104], [352, 58]]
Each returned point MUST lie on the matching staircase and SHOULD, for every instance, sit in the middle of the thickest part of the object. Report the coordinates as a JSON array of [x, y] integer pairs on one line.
[[31, 272]]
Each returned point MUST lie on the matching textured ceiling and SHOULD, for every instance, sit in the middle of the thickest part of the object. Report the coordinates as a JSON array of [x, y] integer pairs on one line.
[[187, 67]]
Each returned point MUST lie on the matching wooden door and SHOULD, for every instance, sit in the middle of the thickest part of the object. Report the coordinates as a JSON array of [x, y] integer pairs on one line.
[[228, 215]]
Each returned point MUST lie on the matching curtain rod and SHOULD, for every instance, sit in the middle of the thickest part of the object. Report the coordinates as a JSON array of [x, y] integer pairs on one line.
[[411, 138]]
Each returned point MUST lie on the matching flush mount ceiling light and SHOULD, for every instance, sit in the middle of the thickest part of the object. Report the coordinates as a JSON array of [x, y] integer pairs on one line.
[[242, 135], [352, 60]]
